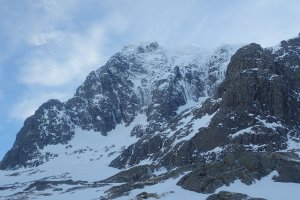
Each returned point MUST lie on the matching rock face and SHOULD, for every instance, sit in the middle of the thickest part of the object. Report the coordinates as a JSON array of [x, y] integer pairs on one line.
[[50, 124], [254, 83], [223, 195], [245, 166], [254, 108], [140, 79], [220, 116]]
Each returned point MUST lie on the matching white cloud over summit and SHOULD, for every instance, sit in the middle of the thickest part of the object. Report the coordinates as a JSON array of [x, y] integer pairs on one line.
[[54, 44], [60, 57]]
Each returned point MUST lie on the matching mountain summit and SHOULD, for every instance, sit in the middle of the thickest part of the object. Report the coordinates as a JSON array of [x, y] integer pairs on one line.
[[154, 118]]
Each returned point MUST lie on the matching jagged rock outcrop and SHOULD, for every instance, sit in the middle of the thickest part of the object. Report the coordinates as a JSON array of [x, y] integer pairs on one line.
[[250, 111], [245, 166], [253, 84], [141, 79], [50, 124], [217, 117], [135, 174], [223, 195]]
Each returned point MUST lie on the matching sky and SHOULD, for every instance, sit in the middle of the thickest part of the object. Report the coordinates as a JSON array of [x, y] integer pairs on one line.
[[48, 47]]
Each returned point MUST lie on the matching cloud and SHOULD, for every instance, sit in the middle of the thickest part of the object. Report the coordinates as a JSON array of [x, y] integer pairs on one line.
[[28, 105], [59, 62], [74, 37], [59, 54], [60, 57]]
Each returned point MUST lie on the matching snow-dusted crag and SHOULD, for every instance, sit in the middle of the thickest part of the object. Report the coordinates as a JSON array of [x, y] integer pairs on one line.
[[146, 79], [206, 117]]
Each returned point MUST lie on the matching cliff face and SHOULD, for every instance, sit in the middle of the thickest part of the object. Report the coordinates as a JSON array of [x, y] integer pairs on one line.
[[254, 108], [224, 115], [140, 79]]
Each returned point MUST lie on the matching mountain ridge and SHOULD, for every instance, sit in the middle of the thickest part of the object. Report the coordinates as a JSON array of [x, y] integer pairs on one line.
[[90, 110], [208, 118]]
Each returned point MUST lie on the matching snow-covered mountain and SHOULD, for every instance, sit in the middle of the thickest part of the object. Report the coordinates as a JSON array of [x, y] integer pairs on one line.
[[155, 122]]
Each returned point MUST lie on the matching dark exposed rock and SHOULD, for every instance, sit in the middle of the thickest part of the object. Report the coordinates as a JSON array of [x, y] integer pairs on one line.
[[107, 97], [224, 195], [43, 185], [253, 84], [49, 125], [251, 111], [249, 97], [138, 131], [113, 94], [123, 190], [5, 188], [142, 150], [145, 195], [139, 173], [288, 168], [245, 166]]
